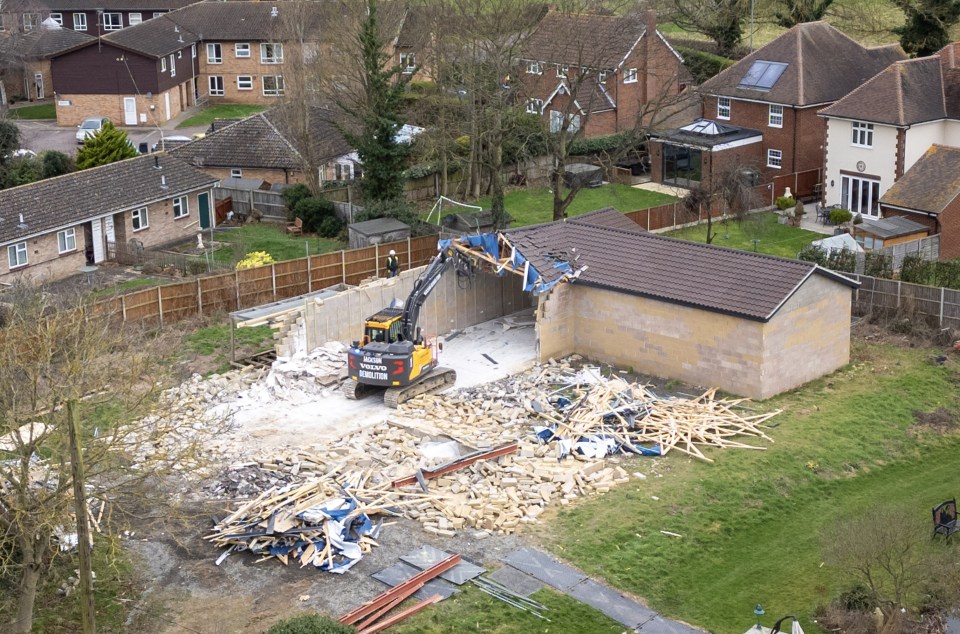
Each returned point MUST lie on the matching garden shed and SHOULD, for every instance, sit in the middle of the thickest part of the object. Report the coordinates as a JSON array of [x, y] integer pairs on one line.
[[377, 231]]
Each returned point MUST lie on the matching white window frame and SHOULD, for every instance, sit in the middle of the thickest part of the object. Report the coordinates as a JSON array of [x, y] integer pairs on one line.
[[278, 83], [181, 207], [215, 91], [79, 21], [163, 64], [244, 82], [193, 51], [562, 70], [14, 252], [535, 106], [775, 159], [602, 76], [67, 241], [534, 68], [112, 27], [31, 21], [236, 172], [724, 107], [134, 18], [173, 65], [276, 53], [343, 171], [57, 17], [140, 219], [241, 50], [775, 116], [405, 66], [862, 134], [214, 53], [630, 76], [852, 195], [157, 14]]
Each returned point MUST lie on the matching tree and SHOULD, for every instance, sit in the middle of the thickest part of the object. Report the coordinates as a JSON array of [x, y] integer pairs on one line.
[[794, 12], [55, 163], [927, 26], [9, 140], [719, 20], [108, 145], [729, 190], [21, 170], [70, 377]]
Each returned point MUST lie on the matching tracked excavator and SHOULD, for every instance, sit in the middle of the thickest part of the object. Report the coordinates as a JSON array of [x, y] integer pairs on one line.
[[393, 353]]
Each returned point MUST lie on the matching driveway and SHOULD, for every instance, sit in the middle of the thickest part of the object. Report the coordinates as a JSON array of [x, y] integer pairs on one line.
[[45, 135]]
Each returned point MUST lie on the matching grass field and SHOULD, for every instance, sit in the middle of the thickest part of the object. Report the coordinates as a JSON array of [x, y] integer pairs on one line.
[[272, 239], [40, 111], [774, 238], [222, 111], [534, 206]]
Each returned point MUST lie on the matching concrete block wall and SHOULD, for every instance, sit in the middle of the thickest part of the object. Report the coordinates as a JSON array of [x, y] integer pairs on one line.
[[555, 323]]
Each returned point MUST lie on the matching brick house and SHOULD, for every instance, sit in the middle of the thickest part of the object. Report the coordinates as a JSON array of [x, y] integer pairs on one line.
[[929, 193], [776, 90], [878, 131], [99, 17], [25, 60], [139, 76], [153, 200], [600, 70]]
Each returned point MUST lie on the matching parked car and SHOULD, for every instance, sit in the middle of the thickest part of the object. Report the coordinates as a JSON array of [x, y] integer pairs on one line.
[[168, 142], [89, 127]]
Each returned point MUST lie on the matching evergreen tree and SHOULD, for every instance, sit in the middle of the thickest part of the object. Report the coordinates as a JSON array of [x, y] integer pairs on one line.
[[928, 23], [375, 118], [56, 164], [9, 140], [796, 12], [109, 145]]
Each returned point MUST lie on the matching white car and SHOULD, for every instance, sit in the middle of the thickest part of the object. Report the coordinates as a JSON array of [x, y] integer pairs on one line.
[[89, 127]]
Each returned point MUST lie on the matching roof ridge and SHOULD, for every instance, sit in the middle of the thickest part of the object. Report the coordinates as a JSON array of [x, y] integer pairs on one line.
[[800, 95], [898, 85], [282, 136], [93, 170]]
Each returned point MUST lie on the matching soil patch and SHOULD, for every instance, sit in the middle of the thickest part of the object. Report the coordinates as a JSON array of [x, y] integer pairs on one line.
[[940, 421]]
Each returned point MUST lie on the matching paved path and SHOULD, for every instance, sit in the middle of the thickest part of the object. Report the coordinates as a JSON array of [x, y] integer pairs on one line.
[[572, 582]]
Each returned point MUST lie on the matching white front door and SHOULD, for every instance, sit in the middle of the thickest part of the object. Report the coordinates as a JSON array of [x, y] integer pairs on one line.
[[166, 102], [97, 231], [129, 111], [38, 80]]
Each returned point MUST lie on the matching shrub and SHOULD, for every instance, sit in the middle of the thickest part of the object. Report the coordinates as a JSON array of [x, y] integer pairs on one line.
[[858, 220], [785, 202], [798, 211], [312, 211], [56, 164], [255, 259], [840, 216], [293, 195], [311, 624], [702, 64], [330, 227]]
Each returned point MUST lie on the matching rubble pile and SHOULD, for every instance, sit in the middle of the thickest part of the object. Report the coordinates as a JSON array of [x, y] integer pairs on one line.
[[302, 377]]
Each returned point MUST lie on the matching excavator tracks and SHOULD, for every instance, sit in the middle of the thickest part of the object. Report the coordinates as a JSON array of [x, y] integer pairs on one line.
[[437, 379], [355, 391]]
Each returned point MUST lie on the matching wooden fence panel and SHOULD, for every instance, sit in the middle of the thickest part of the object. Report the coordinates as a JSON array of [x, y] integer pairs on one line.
[[923, 299], [422, 249], [291, 277], [256, 286], [325, 270], [951, 308], [218, 293], [359, 264], [178, 301], [142, 305]]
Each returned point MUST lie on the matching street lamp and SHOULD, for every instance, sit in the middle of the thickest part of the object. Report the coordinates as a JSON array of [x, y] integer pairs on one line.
[[759, 612]]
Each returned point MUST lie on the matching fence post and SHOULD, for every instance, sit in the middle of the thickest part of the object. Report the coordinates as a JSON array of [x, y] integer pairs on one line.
[[236, 285], [409, 254], [160, 305], [343, 265], [309, 276], [376, 259], [648, 219], [273, 280], [674, 215], [899, 284], [943, 292], [199, 299], [123, 307]]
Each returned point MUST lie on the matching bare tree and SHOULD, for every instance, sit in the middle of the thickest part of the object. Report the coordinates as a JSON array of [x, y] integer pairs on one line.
[[729, 191], [719, 20]]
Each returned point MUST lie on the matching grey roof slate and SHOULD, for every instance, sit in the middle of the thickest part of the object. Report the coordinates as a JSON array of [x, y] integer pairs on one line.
[[156, 38], [68, 200], [606, 217], [704, 276], [43, 43], [823, 65], [239, 20], [117, 5], [930, 184], [892, 227]]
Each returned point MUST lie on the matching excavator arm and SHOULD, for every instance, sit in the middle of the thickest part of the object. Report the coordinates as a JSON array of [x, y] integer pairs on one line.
[[424, 285]]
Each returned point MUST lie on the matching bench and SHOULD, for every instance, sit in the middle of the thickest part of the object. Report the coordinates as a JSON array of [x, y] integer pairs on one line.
[[296, 228], [945, 519]]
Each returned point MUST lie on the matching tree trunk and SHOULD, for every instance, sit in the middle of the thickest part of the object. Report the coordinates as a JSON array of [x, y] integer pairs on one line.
[[29, 578], [87, 608]]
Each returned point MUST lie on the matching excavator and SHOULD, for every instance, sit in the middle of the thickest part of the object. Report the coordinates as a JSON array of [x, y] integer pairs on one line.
[[393, 353]]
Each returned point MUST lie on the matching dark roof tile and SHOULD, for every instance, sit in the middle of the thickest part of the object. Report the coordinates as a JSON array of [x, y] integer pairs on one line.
[[117, 5], [930, 184], [156, 38], [582, 39], [43, 43]]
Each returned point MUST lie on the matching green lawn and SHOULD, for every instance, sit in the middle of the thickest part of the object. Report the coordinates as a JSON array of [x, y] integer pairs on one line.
[[221, 111], [125, 286], [534, 206], [40, 111], [750, 522], [774, 238], [272, 239]]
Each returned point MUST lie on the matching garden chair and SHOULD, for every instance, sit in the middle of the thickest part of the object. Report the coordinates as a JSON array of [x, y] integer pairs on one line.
[[296, 228], [945, 519]]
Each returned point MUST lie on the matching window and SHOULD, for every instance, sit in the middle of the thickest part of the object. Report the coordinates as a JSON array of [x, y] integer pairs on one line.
[[140, 220], [17, 255], [31, 21], [343, 171], [273, 85], [157, 14], [562, 70], [216, 86], [408, 62], [244, 82], [723, 107], [67, 240], [862, 134], [112, 21], [775, 116], [535, 106], [181, 208], [79, 21], [163, 64], [57, 17], [602, 76], [135, 18], [774, 158], [630, 75], [556, 121], [271, 53], [214, 54], [860, 195], [236, 172], [242, 49], [3, 27], [173, 65], [193, 51], [534, 68]]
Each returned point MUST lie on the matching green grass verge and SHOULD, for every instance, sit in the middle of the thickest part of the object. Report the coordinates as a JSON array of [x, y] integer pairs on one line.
[[124, 286], [216, 339], [750, 522], [272, 239], [774, 238], [474, 611], [221, 111], [534, 206], [40, 111]]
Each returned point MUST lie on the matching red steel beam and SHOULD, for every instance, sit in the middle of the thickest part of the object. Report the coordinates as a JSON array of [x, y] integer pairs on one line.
[[457, 464], [399, 616], [400, 598], [387, 597]]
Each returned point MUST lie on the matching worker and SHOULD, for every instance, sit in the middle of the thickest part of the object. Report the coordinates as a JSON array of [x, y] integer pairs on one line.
[[393, 264]]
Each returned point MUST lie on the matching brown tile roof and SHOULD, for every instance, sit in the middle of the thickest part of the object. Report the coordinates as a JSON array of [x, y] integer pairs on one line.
[[823, 65], [239, 20], [264, 141], [713, 278], [156, 37], [43, 43], [582, 39], [607, 217], [68, 200], [906, 92], [930, 184]]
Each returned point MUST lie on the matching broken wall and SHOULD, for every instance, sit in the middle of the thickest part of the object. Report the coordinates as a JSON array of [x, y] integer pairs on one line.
[[555, 325], [455, 303]]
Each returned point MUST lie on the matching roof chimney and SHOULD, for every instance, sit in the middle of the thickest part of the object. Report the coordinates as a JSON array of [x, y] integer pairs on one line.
[[274, 12], [163, 181], [651, 21], [156, 161], [21, 219]]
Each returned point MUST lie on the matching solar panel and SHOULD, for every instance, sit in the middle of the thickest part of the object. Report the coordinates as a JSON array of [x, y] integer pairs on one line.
[[762, 75]]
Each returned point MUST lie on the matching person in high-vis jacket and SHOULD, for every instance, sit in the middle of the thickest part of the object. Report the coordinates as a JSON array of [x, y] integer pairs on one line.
[[393, 264]]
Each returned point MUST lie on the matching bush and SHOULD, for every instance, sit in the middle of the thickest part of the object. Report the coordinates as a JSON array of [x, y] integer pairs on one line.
[[701, 64], [599, 144], [311, 624], [330, 227], [919, 271], [840, 216], [293, 195], [858, 220], [798, 211], [785, 202], [255, 259], [312, 211], [56, 164]]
